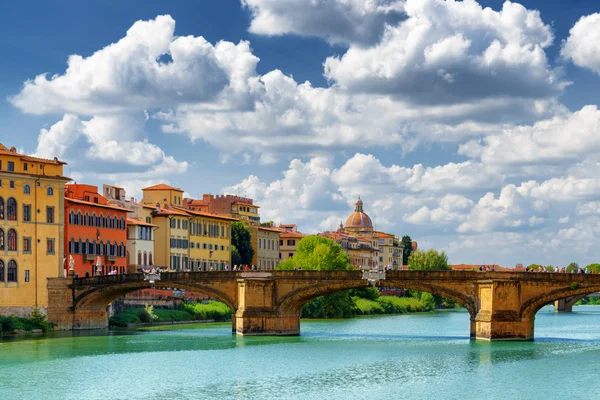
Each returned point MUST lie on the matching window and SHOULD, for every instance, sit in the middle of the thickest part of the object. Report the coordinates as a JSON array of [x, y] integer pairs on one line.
[[94, 220], [50, 215], [24, 166], [145, 258], [50, 191], [148, 220], [86, 198], [50, 246], [150, 259], [11, 209], [12, 240], [26, 213], [139, 258], [79, 218], [26, 275], [178, 224], [11, 166], [1, 270], [27, 245], [12, 184], [1, 208], [12, 271], [1, 241]]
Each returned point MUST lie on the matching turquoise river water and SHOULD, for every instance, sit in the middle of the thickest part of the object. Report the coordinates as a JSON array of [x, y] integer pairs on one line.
[[412, 356]]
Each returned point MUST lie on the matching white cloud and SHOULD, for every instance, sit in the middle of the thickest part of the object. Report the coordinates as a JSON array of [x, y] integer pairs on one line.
[[338, 21], [148, 68], [453, 51], [563, 138], [55, 141], [583, 44]]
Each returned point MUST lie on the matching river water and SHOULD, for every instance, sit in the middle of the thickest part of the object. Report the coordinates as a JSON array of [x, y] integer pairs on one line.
[[412, 356]]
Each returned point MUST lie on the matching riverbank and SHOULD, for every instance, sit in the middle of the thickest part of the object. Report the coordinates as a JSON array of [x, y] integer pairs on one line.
[[214, 311], [17, 326]]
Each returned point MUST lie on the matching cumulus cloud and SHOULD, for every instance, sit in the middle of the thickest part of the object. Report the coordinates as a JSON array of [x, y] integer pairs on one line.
[[565, 137], [453, 51], [148, 68], [337, 21], [582, 46]]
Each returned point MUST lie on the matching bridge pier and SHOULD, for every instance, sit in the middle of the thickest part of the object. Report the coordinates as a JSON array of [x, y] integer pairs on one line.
[[564, 305], [497, 316]]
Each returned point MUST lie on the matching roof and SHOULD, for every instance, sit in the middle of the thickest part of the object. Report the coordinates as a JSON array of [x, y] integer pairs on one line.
[[288, 234], [169, 211], [131, 221], [4, 150], [385, 235], [245, 204], [210, 215], [89, 203], [162, 186], [264, 228]]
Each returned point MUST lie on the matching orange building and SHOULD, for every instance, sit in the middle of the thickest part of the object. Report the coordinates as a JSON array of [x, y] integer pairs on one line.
[[94, 228]]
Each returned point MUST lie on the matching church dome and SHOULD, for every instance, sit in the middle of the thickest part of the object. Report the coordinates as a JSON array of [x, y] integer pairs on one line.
[[359, 220]]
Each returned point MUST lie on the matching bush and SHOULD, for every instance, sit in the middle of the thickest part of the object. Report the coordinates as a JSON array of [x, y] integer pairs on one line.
[[7, 325], [39, 321], [215, 310], [367, 307]]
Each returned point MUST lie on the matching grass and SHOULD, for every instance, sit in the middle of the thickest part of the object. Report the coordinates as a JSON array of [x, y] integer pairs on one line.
[[390, 305], [213, 310]]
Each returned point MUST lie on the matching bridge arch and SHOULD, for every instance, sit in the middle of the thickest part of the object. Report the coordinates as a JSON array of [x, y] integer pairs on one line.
[[292, 303], [530, 307], [99, 298]]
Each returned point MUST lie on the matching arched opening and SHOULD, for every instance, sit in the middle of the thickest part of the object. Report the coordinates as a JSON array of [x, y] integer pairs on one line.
[[94, 306], [292, 304], [530, 308]]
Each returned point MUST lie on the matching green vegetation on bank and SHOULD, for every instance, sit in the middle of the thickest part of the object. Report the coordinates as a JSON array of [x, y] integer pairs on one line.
[[213, 310], [37, 320]]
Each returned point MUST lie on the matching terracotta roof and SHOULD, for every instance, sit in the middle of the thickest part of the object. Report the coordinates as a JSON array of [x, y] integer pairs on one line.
[[385, 235], [162, 186], [210, 215], [245, 204], [89, 203], [170, 211], [288, 234], [6, 151], [264, 228], [131, 221]]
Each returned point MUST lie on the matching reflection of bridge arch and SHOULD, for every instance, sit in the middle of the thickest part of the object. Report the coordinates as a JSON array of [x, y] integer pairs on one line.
[[294, 301]]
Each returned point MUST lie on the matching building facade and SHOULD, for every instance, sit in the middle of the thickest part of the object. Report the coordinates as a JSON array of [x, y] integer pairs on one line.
[[390, 250], [266, 252], [31, 229], [140, 245], [288, 243], [237, 207], [94, 230], [210, 241]]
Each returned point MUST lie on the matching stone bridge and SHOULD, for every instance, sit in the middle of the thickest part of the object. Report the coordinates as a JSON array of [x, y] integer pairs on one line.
[[502, 305]]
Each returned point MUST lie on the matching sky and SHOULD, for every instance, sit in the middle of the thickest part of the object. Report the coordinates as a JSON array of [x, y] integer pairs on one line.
[[471, 126]]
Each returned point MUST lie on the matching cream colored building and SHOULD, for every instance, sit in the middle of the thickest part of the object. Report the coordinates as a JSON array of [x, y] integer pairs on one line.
[[140, 245], [267, 248], [288, 244]]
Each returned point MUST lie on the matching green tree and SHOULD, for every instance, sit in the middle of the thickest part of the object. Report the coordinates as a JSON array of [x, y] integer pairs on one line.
[[593, 267], [573, 267], [534, 267], [429, 260], [236, 259], [240, 239], [317, 253], [268, 223], [407, 243]]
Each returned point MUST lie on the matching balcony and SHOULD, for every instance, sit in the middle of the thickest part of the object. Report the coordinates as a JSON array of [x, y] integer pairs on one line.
[[111, 258], [89, 257]]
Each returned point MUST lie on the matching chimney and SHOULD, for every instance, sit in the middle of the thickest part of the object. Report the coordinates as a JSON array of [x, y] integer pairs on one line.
[[13, 149]]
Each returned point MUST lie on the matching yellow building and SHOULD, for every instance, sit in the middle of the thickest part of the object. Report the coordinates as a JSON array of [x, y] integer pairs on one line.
[[31, 229], [210, 241], [171, 239], [288, 244], [390, 250], [245, 212], [266, 247]]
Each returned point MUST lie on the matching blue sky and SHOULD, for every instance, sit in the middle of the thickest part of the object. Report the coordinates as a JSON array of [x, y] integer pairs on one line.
[[472, 129]]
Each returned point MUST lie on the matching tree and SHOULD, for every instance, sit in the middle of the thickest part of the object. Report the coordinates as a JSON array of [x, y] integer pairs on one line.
[[595, 267], [429, 260], [240, 239], [407, 243], [317, 253], [534, 267], [236, 259], [267, 224], [573, 267]]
